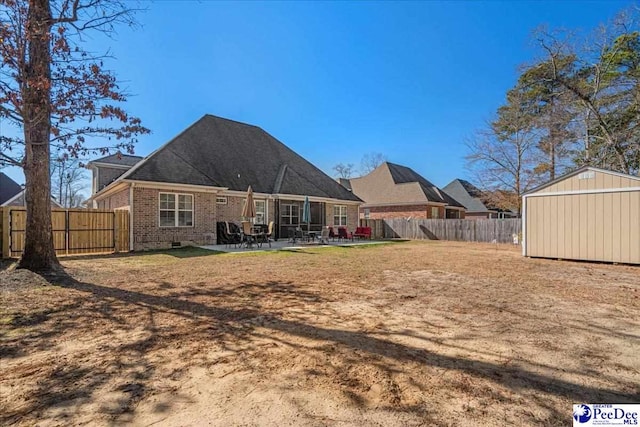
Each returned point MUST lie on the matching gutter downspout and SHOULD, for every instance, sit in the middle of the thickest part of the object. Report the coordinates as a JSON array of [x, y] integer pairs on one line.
[[131, 217]]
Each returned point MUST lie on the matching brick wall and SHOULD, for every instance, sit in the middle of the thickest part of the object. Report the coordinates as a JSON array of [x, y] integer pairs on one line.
[[232, 211], [147, 233], [352, 215], [477, 215], [405, 211]]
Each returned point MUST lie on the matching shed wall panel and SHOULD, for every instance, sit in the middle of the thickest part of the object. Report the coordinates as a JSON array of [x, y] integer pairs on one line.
[[592, 227], [634, 209]]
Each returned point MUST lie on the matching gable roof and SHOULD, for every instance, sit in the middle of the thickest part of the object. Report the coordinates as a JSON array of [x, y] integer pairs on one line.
[[8, 188], [345, 182], [118, 159], [404, 174], [11, 190], [390, 183], [220, 152], [578, 171], [469, 195]]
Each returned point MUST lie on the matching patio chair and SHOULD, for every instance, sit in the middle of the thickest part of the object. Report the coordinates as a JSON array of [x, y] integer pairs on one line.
[[344, 234], [324, 236], [362, 233], [295, 235], [267, 237], [332, 233], [248, 237], [232, 237]]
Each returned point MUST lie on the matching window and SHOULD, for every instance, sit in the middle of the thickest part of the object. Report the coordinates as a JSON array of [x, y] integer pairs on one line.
[[176, 210], [339, 215], [261, 212], [435, 212], [367, 213], [221, 200], [290, 215]]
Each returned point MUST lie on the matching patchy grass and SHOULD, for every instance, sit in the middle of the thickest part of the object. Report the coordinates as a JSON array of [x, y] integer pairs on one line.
[[413, 333]]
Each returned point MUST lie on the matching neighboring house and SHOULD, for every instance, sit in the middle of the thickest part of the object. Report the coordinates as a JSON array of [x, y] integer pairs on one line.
[[394, 191], [474, 201], [178, 193], [12, 193], [108, 169]]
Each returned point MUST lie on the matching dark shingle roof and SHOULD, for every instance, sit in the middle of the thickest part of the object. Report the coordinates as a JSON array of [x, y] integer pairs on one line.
[[403, 174], [225, 153], [469, 195], [346, 183], [8, 188], [119, 159]]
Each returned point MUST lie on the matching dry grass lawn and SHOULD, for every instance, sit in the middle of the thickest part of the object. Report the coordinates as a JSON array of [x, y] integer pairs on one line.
[[416, 333]]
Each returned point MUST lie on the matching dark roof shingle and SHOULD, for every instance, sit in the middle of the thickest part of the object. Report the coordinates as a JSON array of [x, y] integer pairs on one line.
[[404, 174], [8, 188], [224, 153], [119, 159]]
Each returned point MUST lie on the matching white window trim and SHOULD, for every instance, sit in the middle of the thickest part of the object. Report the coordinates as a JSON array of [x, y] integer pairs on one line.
[[284, 205], [177, 210], [263, 212], [222, 200], [346, 218]]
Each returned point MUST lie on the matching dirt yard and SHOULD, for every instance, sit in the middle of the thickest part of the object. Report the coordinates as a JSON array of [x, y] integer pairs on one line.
[[402, 334]]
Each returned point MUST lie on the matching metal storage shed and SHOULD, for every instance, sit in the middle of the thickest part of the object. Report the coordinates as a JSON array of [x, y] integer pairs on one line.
[[590, 214]]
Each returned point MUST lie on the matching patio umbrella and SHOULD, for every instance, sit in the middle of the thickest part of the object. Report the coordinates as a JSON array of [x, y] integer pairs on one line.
[[306, 212], [249, 209]]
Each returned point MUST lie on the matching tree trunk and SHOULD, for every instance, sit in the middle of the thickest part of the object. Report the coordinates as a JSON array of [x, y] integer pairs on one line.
[[39, 254]]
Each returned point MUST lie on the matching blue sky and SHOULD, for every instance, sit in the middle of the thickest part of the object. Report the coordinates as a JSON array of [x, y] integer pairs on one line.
[[336, 80]]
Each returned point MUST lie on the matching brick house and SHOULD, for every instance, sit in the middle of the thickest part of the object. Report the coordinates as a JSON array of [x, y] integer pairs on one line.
[[395, 191], [475, 201], [178, 193], [12, 193]]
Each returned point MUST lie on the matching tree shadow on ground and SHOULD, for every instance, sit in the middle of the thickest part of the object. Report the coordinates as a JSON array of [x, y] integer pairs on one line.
[[182, 252], [69, 384], [512, 377]]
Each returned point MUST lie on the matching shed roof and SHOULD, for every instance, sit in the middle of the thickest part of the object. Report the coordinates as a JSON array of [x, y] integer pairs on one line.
[[627, 180]]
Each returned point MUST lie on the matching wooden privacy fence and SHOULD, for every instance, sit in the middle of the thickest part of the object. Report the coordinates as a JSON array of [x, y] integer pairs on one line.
[[75, 231], [468, 230]]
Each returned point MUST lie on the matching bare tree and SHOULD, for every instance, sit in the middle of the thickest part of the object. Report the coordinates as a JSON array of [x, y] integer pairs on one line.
[[370, 161], [57, 94], [503, 156], [344, 170], [68, 181]]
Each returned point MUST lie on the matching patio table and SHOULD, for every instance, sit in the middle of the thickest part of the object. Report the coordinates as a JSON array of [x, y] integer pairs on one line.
[[253, 237]]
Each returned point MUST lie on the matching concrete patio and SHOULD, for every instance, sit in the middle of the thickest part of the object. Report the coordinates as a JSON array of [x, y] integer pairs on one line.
[[286, 245]]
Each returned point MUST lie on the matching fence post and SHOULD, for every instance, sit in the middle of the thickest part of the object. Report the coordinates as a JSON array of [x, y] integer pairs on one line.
[[114, 233], [66, 232], [6, 233]]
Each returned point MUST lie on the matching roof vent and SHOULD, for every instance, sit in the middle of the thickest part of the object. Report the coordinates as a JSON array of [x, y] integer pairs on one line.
[[587, 175]]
